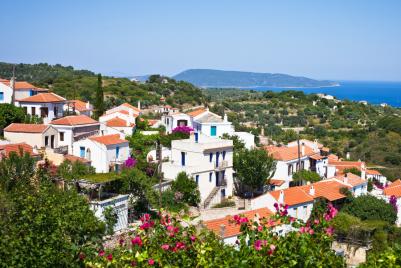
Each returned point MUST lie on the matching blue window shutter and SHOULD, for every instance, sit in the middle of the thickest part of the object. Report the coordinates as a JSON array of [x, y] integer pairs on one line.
[[210, 157], [210, 176], [82, 152], [213, 131], [224, 155], [197, 179], [1, 96], [182, 159], [217, 158]]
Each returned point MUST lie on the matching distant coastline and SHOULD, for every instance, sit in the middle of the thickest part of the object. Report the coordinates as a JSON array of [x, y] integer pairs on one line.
[[265, 88]]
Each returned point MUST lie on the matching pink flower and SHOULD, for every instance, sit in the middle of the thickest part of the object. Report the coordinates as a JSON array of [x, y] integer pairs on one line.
[[193, 238], [179, 245], [244, 220], [109, 257], [286, 207], [260, 228], [137, 241], [151, 261], [272, 249], [258, 244], [101, 253], [316, 221], [311, 232], [329, 231], [276, 206], [165, 247], [121, 242], [81, 256], [292, 219]]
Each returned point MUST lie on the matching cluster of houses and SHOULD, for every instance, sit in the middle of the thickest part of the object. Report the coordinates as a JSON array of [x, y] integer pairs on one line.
[[69, 132]]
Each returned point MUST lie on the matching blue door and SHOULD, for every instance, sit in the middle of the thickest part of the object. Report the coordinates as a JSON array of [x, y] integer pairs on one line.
[[82, 152], [217, 178], [117, 151], [213, 131], [182, 159]]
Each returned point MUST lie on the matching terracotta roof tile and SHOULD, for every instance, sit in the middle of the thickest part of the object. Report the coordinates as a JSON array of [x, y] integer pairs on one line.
[[197, 112], [276, 182], [118, 122], [26, 128], [19, 85], [287, 153], [372, 172], [328, 189], [79, 105], [43, 97], [73, 120], [16, 147], [108, 139], [393, 189], [395, 183], [293, 196], [351, 179], [232, 229]]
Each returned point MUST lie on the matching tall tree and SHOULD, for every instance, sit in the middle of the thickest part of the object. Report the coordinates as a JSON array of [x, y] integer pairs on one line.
[[253, 168], [99, 100]]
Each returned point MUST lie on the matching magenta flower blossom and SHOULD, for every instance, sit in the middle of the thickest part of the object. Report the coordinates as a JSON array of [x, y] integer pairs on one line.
[[271, 250], [165, 247], [183, 129], [151, 262], [109, 257], [101, 253], [193, 238], [393, 202], [130, 162], [137, 241], [259, 244], [329, 231]]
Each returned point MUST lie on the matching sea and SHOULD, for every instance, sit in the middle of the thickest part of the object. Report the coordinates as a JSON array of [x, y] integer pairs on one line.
[[373, 92]]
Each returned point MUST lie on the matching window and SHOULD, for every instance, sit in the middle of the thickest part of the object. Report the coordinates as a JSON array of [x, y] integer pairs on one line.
[[213, 131], [210, 176], [303, 165], [33, 110], [61, 136], [52, 141], [210, 157], [197, 179], [224, 155], [31, 92], [289, 169], [117, 151], [46, 141], [217, 158], [55, 110], [82, 152], [182, 159], [1, 96], [305, 210]]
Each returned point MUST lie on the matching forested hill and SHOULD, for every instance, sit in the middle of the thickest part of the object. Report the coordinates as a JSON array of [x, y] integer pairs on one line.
[[235, 79], [81, 84]]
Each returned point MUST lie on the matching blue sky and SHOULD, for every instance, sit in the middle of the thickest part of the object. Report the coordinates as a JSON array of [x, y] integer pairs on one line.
[[343, 40]]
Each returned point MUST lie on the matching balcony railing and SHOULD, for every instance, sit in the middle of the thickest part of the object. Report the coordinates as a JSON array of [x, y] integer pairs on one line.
[[81, 136], [221, 165], [222, 182]]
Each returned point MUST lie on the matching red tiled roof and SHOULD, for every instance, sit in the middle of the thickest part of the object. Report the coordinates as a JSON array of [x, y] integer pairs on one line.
[[333, 157], [19, 85], [197, 112], [393, 189], [79, 105], [16, 147], [119, 111], [43, 97], [151, 122], [317, 156], [372, 172], [287, 153], [328, 189], [108, 139], [118, 122], [131, 107], [351, 179], [73, 120], [26, 128], [395, 183], [293, 196], [232, 229], [276, 182], [74, 158]]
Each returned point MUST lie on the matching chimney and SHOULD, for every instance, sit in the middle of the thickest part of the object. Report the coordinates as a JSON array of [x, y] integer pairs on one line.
[[88, 105], [139, 105], [348, 156], [281, 197], [312, 190], [345, 179], [302, 149], [222, 230], [225, 118]]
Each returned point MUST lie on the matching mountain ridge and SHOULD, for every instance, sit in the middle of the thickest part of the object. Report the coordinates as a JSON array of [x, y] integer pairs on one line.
[[209, 78]]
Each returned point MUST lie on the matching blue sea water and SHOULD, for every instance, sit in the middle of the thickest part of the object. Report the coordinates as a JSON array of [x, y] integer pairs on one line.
[[372, 92]]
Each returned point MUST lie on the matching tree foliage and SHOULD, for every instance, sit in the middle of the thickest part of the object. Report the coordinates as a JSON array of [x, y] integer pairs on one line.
[[368, 207], [252, 170], [306, 175], [188, 188]]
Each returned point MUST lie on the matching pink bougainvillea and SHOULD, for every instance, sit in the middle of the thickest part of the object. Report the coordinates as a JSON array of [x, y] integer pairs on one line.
[[183, 129]]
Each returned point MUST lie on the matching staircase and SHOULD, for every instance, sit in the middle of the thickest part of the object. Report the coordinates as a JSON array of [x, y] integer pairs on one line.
[[210, 197]]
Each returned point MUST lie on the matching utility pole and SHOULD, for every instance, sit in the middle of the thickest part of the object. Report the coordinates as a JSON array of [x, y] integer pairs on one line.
[[12, 84]]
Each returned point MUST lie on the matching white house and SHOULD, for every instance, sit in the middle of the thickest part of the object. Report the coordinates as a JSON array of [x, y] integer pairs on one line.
[[208, 160], [122, 125], [132, 110], [79, 107], [300, 203], [394, 190], [47, 106], [36, 135], [372, 174], [106, 153], [22, 90], [73, 128], [210, 124], [118, 203], [357, 185], [171, 121], [165, 109]]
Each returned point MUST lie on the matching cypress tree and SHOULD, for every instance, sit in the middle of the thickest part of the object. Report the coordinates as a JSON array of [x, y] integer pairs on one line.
[[99, 100]]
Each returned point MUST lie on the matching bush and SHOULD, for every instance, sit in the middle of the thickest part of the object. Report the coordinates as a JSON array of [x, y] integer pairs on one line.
[[306, 175], [224, 204], [368, 207], [188, 188]]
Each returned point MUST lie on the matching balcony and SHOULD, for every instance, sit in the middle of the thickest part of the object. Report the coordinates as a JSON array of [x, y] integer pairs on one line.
[[220, 165]]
